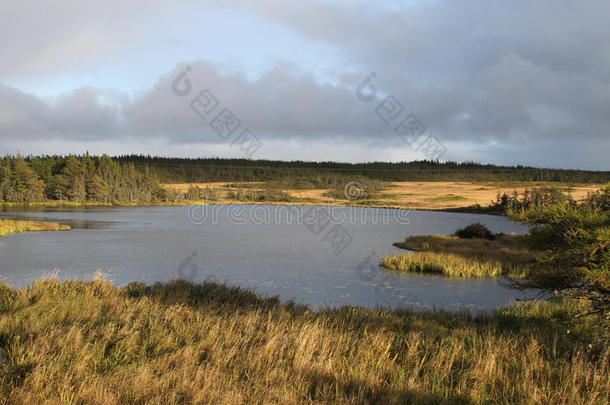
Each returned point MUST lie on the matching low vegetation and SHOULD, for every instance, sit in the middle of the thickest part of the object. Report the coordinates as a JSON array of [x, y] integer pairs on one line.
[[259, 195], [447, 198], [9, 226], [78, 342]]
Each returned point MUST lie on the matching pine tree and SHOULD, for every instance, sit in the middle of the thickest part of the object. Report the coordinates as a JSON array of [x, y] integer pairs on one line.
[[26, 185]]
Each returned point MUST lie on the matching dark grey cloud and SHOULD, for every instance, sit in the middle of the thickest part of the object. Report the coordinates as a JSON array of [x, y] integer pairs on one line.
[[282, 103], [77, 115], [476, 69]]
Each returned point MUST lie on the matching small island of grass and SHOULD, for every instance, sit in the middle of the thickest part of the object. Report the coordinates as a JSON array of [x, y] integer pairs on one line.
[[9, 226], [501, 255]]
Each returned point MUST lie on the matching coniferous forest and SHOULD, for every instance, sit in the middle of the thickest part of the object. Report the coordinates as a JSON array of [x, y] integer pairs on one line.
[[137, 178], [77, 179]]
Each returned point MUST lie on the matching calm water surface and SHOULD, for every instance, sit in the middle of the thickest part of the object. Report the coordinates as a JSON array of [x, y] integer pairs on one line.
[[275, 250]]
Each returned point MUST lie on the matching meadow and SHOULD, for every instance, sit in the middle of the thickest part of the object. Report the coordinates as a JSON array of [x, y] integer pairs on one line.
[[432, 195], [80, 342]]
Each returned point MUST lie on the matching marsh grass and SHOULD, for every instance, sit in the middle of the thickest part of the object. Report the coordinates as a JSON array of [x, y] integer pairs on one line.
[[77, 342], [507, 256], [9, 226], [451, 265]]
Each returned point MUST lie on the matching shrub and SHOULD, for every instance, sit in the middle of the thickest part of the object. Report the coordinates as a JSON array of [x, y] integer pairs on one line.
[[576, 259], [475, 231]]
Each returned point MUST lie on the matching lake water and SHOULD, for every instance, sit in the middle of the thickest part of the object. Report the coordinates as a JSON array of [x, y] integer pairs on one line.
[[320, 256]]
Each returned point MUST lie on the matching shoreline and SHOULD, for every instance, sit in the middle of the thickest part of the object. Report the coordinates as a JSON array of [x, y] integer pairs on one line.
[[434, 196], [63, 204]]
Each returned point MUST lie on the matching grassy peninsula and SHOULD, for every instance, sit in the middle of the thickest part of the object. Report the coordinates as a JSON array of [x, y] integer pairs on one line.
[[506, 255]]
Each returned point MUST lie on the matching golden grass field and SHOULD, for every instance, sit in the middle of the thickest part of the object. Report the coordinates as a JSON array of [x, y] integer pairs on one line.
[[80, 342], [414, 195]]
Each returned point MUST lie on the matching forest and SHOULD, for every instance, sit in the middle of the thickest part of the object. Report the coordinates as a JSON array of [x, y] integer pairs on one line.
[[77, 179], [137, 178], [215, 169]]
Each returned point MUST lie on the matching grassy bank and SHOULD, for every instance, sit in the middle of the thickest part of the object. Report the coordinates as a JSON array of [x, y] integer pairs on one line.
[[9, 226], [506, 256], [93, 343]]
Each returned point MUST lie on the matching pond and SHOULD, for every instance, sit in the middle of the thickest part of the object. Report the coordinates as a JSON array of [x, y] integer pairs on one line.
[[320, 256]]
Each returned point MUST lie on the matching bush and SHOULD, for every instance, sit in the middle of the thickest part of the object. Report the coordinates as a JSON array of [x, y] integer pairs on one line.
[[475, 231], [576, 260]]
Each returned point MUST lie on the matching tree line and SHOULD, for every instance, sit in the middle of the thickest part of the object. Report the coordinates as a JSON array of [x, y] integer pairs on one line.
[[76, 178], [216, 169], [138, 178]]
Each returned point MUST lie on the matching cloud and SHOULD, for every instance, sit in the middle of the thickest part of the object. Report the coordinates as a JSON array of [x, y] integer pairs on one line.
[[476, 73], [282, 103], [77, 115], [40, 37]]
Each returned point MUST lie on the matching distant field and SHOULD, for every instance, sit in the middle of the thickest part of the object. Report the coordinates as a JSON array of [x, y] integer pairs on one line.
[[416, 195]]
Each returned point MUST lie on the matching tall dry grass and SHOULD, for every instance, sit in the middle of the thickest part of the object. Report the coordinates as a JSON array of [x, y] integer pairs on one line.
[[451, 265], [506, 256], [93, 343]]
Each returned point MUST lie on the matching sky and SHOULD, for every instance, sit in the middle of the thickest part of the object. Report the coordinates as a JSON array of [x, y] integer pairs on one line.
[[508, 82]]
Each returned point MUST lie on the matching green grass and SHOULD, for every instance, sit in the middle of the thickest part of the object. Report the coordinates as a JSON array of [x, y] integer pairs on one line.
[[79, 342], [506, 256], [8, 226]]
